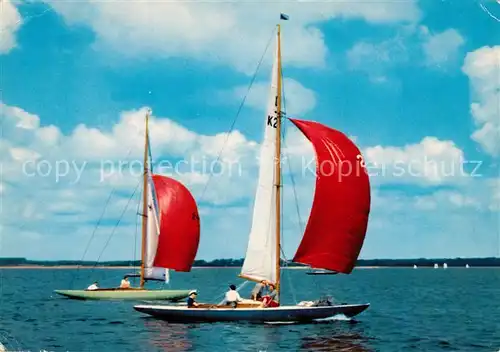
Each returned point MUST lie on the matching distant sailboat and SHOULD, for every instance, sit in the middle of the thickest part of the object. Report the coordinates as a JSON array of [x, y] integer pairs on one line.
[[436, 266], [445, 266], [334, 233], [467, 266], [170, 237], [414, 266]]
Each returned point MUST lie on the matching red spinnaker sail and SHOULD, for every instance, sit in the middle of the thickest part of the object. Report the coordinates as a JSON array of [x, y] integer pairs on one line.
[[179, 225], [338, 220]]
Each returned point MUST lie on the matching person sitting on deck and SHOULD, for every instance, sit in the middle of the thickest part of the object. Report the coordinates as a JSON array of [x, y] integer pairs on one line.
[[232, 297], [257, 291], [93, 286], [191, 301], [125, 283], [269, 299]]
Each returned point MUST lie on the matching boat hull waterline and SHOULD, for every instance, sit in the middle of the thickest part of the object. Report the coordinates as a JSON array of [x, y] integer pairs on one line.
[[125, 294], [279, 314]]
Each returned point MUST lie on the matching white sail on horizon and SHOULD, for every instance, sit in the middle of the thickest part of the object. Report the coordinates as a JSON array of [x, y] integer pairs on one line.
[[260, 258]]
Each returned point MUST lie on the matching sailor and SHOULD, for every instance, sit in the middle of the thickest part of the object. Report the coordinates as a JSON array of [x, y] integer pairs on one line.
[[232, 297], [125, 283], [93, 286], [269, 299], [257, 291], [191, 301]]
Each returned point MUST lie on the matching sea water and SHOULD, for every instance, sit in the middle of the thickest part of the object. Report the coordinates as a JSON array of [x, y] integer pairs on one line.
[[411, 310]]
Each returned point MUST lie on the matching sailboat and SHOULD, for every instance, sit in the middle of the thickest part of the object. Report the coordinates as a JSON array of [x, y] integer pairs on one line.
[[321, 272], [170, 238], [333, 236]]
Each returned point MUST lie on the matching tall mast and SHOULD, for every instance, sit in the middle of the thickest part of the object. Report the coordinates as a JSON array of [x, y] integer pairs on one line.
[[144, 201], [278, 168]]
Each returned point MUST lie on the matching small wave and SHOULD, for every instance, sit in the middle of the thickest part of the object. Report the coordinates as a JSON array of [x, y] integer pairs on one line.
[[338, 317]]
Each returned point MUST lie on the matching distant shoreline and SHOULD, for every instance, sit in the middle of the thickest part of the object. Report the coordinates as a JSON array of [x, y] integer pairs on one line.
[[132, 268], [24, 263]]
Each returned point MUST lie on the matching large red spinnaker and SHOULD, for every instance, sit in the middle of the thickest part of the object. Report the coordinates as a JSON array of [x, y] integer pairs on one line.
[[179, 225], [338, 221]]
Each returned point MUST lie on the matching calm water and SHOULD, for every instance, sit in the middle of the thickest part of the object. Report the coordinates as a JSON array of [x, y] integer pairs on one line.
[[412, 310]]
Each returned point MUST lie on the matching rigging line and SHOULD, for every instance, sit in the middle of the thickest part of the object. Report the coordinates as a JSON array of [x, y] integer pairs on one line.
[[98, 221], [290, 169], [290, 281], [117, 223], [92, 236], [238, 113], [136, 228], [150, 155]]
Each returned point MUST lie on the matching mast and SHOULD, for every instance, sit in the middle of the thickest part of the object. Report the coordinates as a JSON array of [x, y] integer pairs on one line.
[[144, 202], [278, 168]]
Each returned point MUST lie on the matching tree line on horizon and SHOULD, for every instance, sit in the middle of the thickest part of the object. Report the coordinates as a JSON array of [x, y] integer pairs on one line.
[[422, 262]]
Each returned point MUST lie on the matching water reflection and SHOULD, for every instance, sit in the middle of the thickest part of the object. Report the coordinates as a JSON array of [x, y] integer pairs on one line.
[[168, 337], [333, 336], [339, 342]]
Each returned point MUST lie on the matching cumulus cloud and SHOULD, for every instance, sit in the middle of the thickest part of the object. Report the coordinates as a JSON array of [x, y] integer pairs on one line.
[[55, 214], [299, 99], [443, 47], [482, 66], [411, 44], [222, 32], [10, 21], [57, 184], [430, 161]]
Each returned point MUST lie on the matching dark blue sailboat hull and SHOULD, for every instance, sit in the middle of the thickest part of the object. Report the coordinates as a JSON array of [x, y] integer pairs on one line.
[[280, 314]]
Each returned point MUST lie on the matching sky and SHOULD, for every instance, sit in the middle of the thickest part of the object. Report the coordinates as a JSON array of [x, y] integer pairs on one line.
[[415, 84]]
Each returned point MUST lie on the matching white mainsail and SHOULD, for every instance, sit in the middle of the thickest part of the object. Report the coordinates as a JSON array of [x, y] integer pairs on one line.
[[260, 258], [152, 236]]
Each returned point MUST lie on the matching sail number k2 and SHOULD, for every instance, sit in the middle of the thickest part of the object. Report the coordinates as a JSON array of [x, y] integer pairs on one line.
[[272, 121]]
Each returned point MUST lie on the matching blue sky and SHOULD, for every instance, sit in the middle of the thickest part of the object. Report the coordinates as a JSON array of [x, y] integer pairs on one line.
[[407, 81]]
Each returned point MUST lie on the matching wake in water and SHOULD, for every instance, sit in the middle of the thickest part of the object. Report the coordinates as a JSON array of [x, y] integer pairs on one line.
[[338, 317]]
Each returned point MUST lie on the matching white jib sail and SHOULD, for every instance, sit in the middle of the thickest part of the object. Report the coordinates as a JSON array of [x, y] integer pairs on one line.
[[260, 258], [152, 236]]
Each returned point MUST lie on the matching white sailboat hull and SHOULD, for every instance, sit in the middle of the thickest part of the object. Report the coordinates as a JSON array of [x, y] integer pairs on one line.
[[263, 315]]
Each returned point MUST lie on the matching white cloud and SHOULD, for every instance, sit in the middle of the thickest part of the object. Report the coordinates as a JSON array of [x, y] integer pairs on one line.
[[411, 44], [374, 57], [58, 217], [299, 99], [222, 32], [432, 161], [482, 66], [66, 184], [443, 47], [10, 21]]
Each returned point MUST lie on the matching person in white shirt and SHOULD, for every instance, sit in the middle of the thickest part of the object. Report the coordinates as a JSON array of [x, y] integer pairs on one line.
[[93, 286], [125, 283], [232, 297]]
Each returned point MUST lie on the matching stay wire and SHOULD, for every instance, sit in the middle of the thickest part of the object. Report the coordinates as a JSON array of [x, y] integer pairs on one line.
[[99, 221], [238, 113], [290, 281], [116, 225], [136, 228], [92, 237], [294, 188]]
